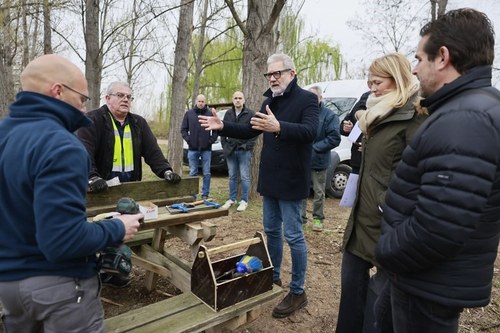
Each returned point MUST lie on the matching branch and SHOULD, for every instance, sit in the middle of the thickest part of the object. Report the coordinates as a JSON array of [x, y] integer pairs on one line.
[[236, 17]]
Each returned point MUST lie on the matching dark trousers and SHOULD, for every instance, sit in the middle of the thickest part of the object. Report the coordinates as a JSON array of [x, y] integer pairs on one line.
[[354, 285], [412, 314]]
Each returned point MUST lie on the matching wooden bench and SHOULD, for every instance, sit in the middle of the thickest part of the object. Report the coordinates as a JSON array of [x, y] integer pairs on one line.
[[187, 313]]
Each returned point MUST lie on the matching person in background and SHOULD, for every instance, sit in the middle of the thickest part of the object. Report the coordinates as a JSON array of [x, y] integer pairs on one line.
[[116, 142], [199, 142], [347, 125], [238, 153], [327, 138], [388, 124], [48, 264], [288, 120], [441, 221]]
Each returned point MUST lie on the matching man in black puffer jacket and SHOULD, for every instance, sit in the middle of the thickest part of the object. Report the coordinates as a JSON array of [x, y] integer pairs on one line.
[[441, 224]]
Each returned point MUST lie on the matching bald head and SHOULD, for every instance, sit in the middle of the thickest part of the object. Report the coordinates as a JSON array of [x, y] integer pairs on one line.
[[51, 75], [201, 102]]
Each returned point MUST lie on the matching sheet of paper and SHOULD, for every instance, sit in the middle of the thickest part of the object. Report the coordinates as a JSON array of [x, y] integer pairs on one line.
[[113, 182], [355, 133], [350, 191]]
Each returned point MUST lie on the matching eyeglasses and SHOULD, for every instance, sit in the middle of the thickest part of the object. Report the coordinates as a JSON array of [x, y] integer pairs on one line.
[[84, 98], [122, 96], [276, 74]]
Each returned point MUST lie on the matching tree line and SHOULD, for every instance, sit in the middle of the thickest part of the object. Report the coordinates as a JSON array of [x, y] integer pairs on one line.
[[187, 46]]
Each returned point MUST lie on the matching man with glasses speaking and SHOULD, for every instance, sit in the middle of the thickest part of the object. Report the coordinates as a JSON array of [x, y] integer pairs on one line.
[[116, 142], [288, 120]]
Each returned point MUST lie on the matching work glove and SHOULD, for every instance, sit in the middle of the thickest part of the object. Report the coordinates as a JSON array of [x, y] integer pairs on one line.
[[172, 177], [97, 184]]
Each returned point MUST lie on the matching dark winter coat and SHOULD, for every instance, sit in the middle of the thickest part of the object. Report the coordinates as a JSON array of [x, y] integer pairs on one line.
[[43, 184], [99, 139], [327, 138], [382, 151], [196, 136], [441, 224], [230, 144], [285, 162]]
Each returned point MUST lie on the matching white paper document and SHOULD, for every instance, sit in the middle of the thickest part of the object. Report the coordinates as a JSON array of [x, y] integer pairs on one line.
[[350, 191], [355, 133]]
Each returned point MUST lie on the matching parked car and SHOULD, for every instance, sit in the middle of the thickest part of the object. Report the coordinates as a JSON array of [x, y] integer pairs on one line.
[[340, 96], [218, 162]]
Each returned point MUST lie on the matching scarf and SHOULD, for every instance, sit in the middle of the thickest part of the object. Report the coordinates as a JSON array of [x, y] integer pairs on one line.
[[379, 108]]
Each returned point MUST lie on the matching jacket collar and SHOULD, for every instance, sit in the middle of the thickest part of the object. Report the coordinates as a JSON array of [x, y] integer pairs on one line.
[[32, 104], [477, 77]]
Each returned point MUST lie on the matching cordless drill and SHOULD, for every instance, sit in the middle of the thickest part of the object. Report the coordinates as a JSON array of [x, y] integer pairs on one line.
[[117, 260]]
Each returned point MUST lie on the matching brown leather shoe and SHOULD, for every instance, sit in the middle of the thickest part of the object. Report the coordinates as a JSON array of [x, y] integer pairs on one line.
[[289, 304]]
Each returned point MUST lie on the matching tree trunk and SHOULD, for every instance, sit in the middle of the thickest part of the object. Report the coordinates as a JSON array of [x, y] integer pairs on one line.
[[199, 54], [93, 56], [260, 41], [7, 92], [47, 29], [179, 80]]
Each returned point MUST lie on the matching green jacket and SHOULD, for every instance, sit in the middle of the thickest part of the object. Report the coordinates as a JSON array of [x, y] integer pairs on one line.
[[382, 151]]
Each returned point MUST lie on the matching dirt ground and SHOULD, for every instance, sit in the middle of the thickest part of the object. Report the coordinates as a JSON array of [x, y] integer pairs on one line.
[[322, 281]]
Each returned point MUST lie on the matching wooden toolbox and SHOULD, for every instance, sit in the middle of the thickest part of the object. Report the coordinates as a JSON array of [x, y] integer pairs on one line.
[[219, 290]]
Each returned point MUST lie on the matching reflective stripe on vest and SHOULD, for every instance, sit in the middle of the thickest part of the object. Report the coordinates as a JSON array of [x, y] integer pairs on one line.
[[123, 155]]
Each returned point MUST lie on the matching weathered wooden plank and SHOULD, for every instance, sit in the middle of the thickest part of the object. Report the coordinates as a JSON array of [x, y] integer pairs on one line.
[[165, 219], [150, 190], [180, 277], [150, 266], [184, 313]]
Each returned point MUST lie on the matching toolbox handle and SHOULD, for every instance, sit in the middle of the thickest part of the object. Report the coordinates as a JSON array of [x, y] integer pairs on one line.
[[232, 246]]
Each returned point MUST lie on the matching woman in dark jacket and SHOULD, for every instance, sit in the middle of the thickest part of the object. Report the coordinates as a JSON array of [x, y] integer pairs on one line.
[[388, 125]]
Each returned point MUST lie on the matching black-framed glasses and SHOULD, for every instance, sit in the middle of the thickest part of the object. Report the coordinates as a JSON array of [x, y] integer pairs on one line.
[[276, 74], [84, 98], [122, 96]]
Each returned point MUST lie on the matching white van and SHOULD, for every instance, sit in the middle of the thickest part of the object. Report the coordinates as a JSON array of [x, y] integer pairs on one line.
[[340, 96]]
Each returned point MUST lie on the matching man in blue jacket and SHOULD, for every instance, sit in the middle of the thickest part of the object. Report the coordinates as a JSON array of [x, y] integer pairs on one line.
[[441, 222], [327, 138], [48, 266], [199, 142], [288, 120]]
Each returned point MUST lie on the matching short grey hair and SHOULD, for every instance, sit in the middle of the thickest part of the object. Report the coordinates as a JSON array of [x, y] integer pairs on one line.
[[286, 59], [317, 90], [112, 85]]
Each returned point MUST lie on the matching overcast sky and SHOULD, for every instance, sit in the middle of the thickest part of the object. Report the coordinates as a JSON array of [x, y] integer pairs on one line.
[[327, 19]]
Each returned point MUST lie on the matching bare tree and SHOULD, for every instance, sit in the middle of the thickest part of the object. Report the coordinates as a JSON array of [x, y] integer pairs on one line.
[[93, 53], [179, 91], [260, 41], [47, 28], [8, 46], [438, 8], [390, 25], [198, 56]]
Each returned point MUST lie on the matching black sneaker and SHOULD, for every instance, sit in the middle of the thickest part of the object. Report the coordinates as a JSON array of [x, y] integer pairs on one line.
[[114, 281], [289, 304]]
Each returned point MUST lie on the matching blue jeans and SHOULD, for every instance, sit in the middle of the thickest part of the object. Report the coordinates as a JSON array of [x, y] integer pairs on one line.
[[355, 275], [412, 314], [283, 217], [194, 160], [238, 164]]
